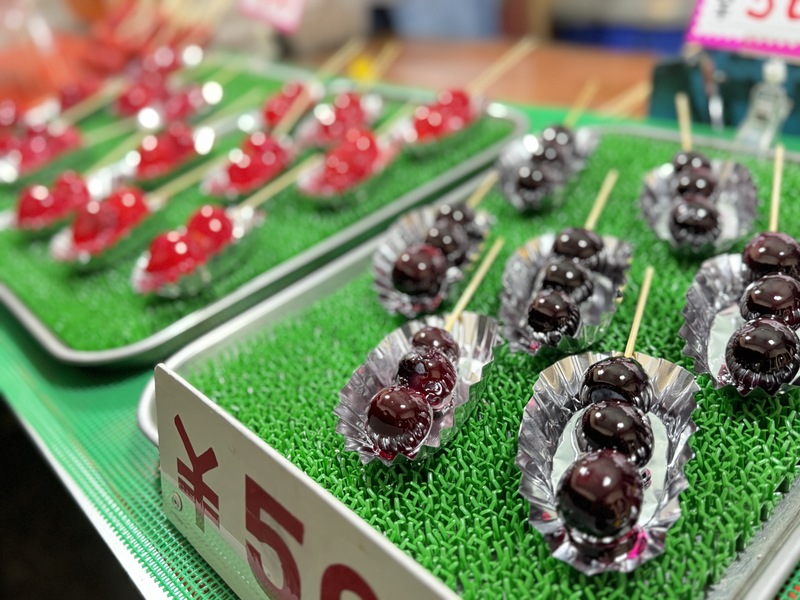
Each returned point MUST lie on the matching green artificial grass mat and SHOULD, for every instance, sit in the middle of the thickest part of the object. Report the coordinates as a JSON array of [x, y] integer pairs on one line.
[[72, 304], [460, 513]]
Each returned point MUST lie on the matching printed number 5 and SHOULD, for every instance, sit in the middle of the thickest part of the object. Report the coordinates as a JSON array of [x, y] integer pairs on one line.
[[770, 4], [336, 579]]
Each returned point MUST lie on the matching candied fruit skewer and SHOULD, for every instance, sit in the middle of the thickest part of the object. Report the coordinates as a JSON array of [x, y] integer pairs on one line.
[[453, 110], [171, 266], [108, 229], [39, 209]]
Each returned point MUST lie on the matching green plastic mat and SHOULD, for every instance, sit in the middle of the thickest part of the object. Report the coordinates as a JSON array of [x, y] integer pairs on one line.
[[86, 420], [460, 514], [791, 589], [293, 225]]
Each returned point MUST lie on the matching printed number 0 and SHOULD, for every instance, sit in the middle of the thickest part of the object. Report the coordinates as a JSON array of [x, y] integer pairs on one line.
[[256, 500]]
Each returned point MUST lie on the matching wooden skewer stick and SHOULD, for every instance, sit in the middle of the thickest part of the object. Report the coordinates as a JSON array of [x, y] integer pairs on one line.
[[581, 103], [602, 198], [108, 132], [96, 101], [161, 195], [480, 274], [341, 58], [483, 188], [120, 150], [280, 183], [517, 52], [684, 120], [385, 58], [777, 182], [622, 106], [637, 317]]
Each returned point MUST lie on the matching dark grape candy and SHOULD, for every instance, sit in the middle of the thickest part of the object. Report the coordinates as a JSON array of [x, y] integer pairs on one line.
[[430, 373], [558, 136], [450, 239], [700, 182], [600, 495], [398, 421], [436, 338], [772, 252], [694, 222], [460, 214], [617, 425], [553, 312], [579, 245], [617, 378], [690, 160], [549, 153], [535, 177], [569, 277], [776, 296], [420, 270], [763, 353]]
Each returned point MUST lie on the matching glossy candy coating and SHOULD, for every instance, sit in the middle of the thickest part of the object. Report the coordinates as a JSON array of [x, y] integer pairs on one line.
[[775, 295], [617, 378], [690, 160], [569, 277], [694, 221], [420, 270], [618, 425], [763, 353], [398, 421], [210, 228], [600, 495], [772, 252], [436, 338], [553, 311], [579, 245], [451, 239], [430, 373]]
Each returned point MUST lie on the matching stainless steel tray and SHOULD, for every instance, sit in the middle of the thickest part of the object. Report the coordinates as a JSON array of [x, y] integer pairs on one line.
[[760, 570], [155, 347]]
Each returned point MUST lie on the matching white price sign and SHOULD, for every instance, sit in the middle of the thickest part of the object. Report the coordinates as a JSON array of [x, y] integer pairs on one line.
[[764, 26], [283, 15], [260, 522]]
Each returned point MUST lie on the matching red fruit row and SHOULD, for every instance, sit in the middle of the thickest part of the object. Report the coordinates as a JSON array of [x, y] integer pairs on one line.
[[38, 207], [100, 225], [347, 164], [451, 112], [347, 114], [32, 147], [262, 158], [160, 154]]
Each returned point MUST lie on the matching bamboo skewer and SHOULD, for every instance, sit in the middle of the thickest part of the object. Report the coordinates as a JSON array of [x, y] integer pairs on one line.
[[517, 52], [483, 188], [581, 103], [637, 317], [777, 181], [684, 120], [623, 105], [279, 184], [602, 197], [469, 292]]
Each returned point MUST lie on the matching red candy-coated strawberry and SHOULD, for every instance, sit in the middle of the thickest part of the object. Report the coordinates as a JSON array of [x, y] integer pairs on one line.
[[76, 91], [130, 205], [278, 105], [173, 254], [69, 189], [163, 60], [183, 103], [95, 226], [159, 154], [429, 123], [144, 92], [347, 108], [362, 149], [211, 228], [35, 205], [8, 113], [454, 103], [245, 171]]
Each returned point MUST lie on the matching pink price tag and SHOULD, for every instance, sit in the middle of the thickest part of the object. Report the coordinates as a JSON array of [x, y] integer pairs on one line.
[[283, 15], [766, 26]]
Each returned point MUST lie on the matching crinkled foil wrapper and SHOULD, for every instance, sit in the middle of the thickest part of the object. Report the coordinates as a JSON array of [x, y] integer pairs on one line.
[[216, 182], [308, 180], [217, 267], [406, 135], [547, 447], [307, 135], [410, 229], [476, 336], [711, 316], [520, 279], [736, 199], [518, 154]]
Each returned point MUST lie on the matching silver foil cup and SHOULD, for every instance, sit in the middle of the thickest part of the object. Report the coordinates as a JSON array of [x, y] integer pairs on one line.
[[476, 336], [711, 316], [547, 447], [735, 197], [518, 154], [412, 228], [520, 283], [217, 267]]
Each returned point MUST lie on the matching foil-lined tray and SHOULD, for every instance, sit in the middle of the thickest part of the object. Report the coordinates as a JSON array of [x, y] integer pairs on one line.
[[596, 312], [711, 316], [518, 154], [547, 446], [476, 336], [735, 197], [412, 229]]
